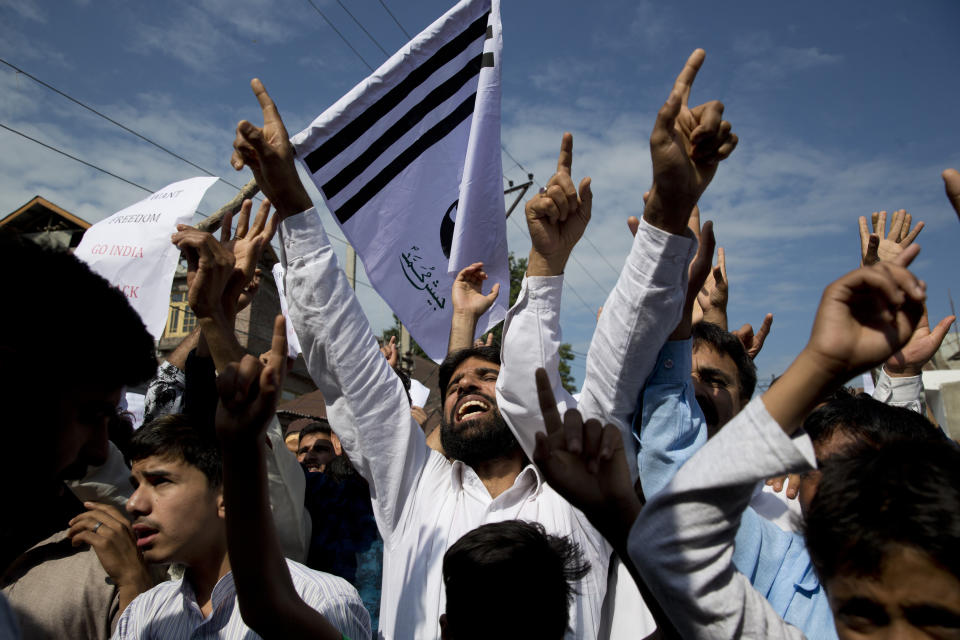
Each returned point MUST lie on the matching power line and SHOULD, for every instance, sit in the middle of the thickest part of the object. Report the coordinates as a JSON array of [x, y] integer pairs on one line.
[[64, 153], [114, 122], [362, 28], [387, 9], [337, 31]]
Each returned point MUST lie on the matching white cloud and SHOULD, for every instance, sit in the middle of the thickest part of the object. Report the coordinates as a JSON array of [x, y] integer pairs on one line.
[[25, 9]]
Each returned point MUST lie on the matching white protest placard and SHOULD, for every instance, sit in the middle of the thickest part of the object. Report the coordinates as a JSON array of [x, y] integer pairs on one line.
[[132, 248], [293, 345], [418, 393]]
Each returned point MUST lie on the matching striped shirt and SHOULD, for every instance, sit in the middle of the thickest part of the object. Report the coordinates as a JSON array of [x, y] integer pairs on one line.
[[170, 609]]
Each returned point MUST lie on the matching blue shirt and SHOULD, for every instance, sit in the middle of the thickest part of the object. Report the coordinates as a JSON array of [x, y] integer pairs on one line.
[[671, 428]]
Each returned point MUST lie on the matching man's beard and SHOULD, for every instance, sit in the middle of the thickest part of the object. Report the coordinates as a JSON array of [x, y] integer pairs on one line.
[[489, 437]]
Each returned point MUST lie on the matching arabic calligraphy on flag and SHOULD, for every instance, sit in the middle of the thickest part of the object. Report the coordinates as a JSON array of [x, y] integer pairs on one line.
[[408, 162]]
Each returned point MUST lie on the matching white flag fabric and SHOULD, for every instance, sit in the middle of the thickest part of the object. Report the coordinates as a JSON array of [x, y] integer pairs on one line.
[[293, 344], [408, 162], [132, 248]]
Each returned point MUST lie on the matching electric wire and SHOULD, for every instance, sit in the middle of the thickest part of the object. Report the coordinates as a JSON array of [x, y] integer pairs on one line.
[[114, 122]]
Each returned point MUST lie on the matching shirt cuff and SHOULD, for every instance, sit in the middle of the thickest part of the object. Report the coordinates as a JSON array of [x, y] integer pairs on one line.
[[542, 292], [898, 391], [674, 363], [668, 253], [301, 233]]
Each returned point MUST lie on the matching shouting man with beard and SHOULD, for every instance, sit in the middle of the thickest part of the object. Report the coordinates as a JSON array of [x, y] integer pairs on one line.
[[424, 501]]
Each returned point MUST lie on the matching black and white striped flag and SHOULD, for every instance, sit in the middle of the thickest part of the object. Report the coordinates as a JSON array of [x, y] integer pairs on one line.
[[408, 162]]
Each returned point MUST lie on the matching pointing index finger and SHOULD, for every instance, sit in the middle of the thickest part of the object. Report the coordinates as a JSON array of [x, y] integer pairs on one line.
[[565, 161], [270, 113], [685, 80], [548, 404]]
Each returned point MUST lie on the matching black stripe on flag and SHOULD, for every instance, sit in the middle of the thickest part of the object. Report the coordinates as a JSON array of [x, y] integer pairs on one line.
[[331, 148], [487, 59], [404, 124], [403, 160]]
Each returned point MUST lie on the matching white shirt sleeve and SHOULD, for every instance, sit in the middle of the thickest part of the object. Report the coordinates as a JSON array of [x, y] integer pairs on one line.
[[531, 339], [682, 542], [286, 486], [639, 315], [366, 402]]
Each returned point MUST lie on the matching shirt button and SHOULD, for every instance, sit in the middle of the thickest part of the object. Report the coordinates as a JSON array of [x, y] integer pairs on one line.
[[668, 364]]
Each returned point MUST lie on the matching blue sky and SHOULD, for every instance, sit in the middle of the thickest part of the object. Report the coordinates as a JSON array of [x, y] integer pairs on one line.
[[841, 108]]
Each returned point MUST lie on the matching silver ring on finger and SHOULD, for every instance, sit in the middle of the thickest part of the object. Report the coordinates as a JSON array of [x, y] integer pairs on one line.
[[99, 524]]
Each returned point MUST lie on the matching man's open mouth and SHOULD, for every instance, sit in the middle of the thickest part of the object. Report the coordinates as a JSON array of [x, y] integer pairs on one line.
[[470, 408], [145, 535]]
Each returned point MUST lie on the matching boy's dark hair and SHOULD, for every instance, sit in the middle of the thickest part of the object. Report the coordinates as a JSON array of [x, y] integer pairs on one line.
[[868, 421], [455, 358], [707, 334], [870, 501], [315, 427], [514, 571], [70, 324], [176, 436]]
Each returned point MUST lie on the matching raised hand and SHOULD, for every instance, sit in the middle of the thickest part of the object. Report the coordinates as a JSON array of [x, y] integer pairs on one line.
[[753, 342], [558, 216], [390, 352], [867, 315], [269, 154], [109, 534], [880, 245], [685, 146], [698, 271], [467, 291], [920, 348], [951, 183], [713, 296], [210, 269], [585, 463], [863, 318], [249, 390]]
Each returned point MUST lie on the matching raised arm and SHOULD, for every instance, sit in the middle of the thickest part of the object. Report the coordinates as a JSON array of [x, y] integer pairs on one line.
[[556, 219], [366, 402], [469, 303], [268, 600], [686, 146], [682, 542]]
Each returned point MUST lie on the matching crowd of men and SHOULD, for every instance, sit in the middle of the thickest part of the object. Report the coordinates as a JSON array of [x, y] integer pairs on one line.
[[640, 508]]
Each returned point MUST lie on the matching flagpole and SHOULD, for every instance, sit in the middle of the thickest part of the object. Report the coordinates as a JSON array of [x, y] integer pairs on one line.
[[351, 267]]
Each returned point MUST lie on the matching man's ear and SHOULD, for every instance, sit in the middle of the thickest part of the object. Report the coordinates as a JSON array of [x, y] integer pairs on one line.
[[221, 508], [443, 627], [337, 447]]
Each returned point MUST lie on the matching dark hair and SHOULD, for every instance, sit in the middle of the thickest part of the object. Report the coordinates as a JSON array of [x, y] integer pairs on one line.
[[315, 427], [872, 500], [868, 421], [405, 380], [725, 343], [175, 436], [456, 358], [69, 322], [514, 571]]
